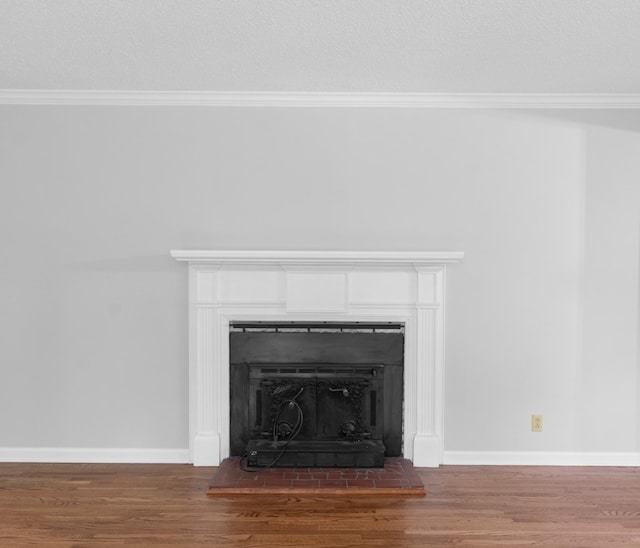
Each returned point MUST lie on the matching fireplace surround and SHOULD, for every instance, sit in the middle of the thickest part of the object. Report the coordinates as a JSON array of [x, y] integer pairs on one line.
[[406, 288]]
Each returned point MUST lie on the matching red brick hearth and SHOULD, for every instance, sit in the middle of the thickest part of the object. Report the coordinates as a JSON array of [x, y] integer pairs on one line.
[[398, 477]]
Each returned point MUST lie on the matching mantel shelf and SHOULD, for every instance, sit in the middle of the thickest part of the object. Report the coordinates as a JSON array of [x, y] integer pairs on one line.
[[345, 258]]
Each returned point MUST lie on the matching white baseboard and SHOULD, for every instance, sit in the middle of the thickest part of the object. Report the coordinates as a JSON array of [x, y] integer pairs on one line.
[[182, 456], [535, 458], [90, 455]]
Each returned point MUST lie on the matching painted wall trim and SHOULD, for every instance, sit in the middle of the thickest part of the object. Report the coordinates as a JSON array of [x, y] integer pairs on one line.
[[181, 456], [87, 97], [94, 455], [541, 458]]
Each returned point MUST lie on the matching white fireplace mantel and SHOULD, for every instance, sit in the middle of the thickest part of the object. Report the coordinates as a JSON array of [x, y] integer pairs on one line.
[[354, 286]]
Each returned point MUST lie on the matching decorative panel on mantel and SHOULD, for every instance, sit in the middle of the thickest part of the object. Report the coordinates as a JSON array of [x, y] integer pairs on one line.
[[317, 291], [227, 286]]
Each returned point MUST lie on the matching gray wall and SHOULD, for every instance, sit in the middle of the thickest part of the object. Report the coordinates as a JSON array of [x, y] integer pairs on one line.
[[542, 313]]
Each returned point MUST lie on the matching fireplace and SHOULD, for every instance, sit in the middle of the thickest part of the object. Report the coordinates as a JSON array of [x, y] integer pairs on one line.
[[403, 288], [316, 394]]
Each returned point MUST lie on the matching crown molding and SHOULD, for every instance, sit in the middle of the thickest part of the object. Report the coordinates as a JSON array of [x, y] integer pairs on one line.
[[320, 99]]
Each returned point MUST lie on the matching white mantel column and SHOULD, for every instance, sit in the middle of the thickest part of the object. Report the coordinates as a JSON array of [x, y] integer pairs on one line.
[[205, 373], [428, 441]]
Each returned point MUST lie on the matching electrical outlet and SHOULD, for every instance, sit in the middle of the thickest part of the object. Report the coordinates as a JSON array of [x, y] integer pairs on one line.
[[536, 423]]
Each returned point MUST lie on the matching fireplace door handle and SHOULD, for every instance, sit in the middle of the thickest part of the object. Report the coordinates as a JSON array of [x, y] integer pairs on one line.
[[344, 391]]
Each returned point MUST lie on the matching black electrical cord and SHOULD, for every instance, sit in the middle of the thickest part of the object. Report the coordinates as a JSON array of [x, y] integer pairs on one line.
[[291, 403]]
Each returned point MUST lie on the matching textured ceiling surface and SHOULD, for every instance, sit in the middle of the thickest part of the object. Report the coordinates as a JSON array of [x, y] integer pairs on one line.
[[421, 46]]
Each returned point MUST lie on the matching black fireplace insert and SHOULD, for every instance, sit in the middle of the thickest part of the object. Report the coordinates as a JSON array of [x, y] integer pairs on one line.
[[316, 394]]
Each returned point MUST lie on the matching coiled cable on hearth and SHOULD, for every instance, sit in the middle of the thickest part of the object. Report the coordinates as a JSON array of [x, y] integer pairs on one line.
[[285, 404]]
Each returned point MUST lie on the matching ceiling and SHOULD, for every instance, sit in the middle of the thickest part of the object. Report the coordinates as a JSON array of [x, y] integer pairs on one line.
[[353, 46]]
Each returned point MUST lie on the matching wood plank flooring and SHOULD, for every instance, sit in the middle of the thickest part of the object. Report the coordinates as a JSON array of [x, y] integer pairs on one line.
[[94, 504]]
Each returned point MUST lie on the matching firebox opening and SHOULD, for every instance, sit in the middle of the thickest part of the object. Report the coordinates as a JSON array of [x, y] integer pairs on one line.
[[316, 394]]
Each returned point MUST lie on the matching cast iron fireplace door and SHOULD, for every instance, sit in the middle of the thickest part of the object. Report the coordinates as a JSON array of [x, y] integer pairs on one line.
[[324, 415]]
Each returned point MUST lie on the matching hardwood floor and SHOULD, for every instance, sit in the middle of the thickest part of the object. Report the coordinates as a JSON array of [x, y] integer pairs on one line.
[[91, 504]]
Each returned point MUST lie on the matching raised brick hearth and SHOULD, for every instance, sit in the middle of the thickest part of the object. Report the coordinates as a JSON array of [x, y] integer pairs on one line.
[[398, 477]]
